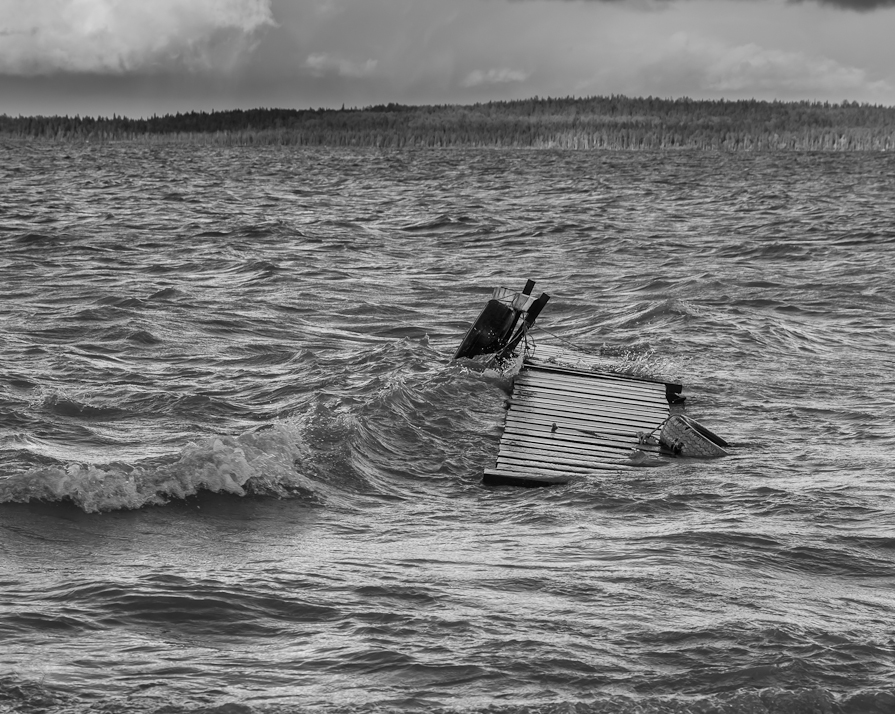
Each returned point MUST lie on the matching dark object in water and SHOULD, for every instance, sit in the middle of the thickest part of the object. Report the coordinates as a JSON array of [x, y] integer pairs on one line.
[[493, 331], [687, 437]]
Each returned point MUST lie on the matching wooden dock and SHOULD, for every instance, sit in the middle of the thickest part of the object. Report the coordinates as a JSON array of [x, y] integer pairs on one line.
[[567, 419], [568, 416]]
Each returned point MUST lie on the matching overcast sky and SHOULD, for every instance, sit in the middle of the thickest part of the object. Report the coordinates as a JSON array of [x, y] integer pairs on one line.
[[139, 57]]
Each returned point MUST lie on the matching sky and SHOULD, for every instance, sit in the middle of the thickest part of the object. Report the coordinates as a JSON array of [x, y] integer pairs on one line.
[[142, 57]]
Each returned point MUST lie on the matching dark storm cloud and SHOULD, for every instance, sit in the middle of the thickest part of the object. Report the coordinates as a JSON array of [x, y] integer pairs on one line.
[[857, 5], [860, 5]]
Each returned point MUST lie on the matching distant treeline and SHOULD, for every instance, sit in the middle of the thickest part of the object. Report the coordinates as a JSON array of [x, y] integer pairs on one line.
[[615, 122]]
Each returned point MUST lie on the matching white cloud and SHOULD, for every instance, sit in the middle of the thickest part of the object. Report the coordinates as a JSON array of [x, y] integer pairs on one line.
[[753, 67], [322, 64], [477, 77], [749, 69], [121, 36]]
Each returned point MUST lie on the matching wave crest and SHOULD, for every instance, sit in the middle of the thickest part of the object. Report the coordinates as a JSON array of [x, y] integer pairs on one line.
[[269, 461]]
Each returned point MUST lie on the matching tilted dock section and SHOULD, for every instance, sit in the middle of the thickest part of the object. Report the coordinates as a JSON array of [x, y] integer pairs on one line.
[[567, 415], [567, 419]]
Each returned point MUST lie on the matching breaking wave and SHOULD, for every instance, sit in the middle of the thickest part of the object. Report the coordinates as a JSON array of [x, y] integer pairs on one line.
[[271, 461]]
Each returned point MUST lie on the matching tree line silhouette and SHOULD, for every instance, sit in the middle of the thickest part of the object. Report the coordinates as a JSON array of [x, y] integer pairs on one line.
[[613, 122]]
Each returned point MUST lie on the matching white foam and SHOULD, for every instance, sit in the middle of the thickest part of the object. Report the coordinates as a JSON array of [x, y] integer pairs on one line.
[[270, 460]]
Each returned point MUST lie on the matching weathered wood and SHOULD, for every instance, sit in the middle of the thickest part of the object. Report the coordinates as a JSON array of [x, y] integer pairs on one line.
[[536, 308], [520, 464], [564, 369], [574, 440], [541, 464], [566, 421], [584, 404], [580, 449], [603, 454], [607, 430], [563, 459], [589, 421], [594, 391], [596, 387], [579, 410], [563, 450], [596, 399], [563, 434], [630, 380], [595, 383], [526, 479], [545, 370], [672, 390]]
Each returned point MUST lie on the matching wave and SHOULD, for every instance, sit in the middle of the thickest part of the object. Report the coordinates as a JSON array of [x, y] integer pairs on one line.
[[663, 312], [27, 694], [269, 461], [368, 436], [255, 269], [440, 222], [167, 294], [63, 404]]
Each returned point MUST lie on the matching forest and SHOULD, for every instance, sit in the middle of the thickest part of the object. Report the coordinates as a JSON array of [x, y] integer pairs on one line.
[[614, 122]]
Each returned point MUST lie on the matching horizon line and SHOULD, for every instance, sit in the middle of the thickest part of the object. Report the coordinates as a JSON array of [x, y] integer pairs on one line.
[[845, 103]]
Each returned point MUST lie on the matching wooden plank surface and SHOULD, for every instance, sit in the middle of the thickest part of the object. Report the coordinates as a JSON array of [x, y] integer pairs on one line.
[[629, 378], [546, 440], [530, 479], [566, 438], [631, 382], [557, 458], [520, 462], [584, 402], [594, 385], [594, 430], [575, 442], [589, 421], [595, 390], [598, 401], [563, 423], [556, 356], [535, 447], [582, 411]]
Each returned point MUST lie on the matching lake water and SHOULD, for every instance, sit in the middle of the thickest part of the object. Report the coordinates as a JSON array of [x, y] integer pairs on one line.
[[239, 472]]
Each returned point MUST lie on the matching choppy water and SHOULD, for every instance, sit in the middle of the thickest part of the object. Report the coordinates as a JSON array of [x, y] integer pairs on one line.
[[239, 473]]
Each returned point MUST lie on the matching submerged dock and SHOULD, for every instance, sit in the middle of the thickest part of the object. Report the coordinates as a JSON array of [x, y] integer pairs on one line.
[[566, 419], [567, 416]]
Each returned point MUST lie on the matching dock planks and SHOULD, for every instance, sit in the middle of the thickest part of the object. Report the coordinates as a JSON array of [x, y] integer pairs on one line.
[[566, 419]]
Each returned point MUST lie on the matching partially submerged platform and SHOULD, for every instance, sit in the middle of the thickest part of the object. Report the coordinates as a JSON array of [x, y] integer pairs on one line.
[[565, 419], [567, 416]]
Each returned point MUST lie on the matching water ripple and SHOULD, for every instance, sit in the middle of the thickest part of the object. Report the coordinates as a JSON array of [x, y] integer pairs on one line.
[[240, 474]]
